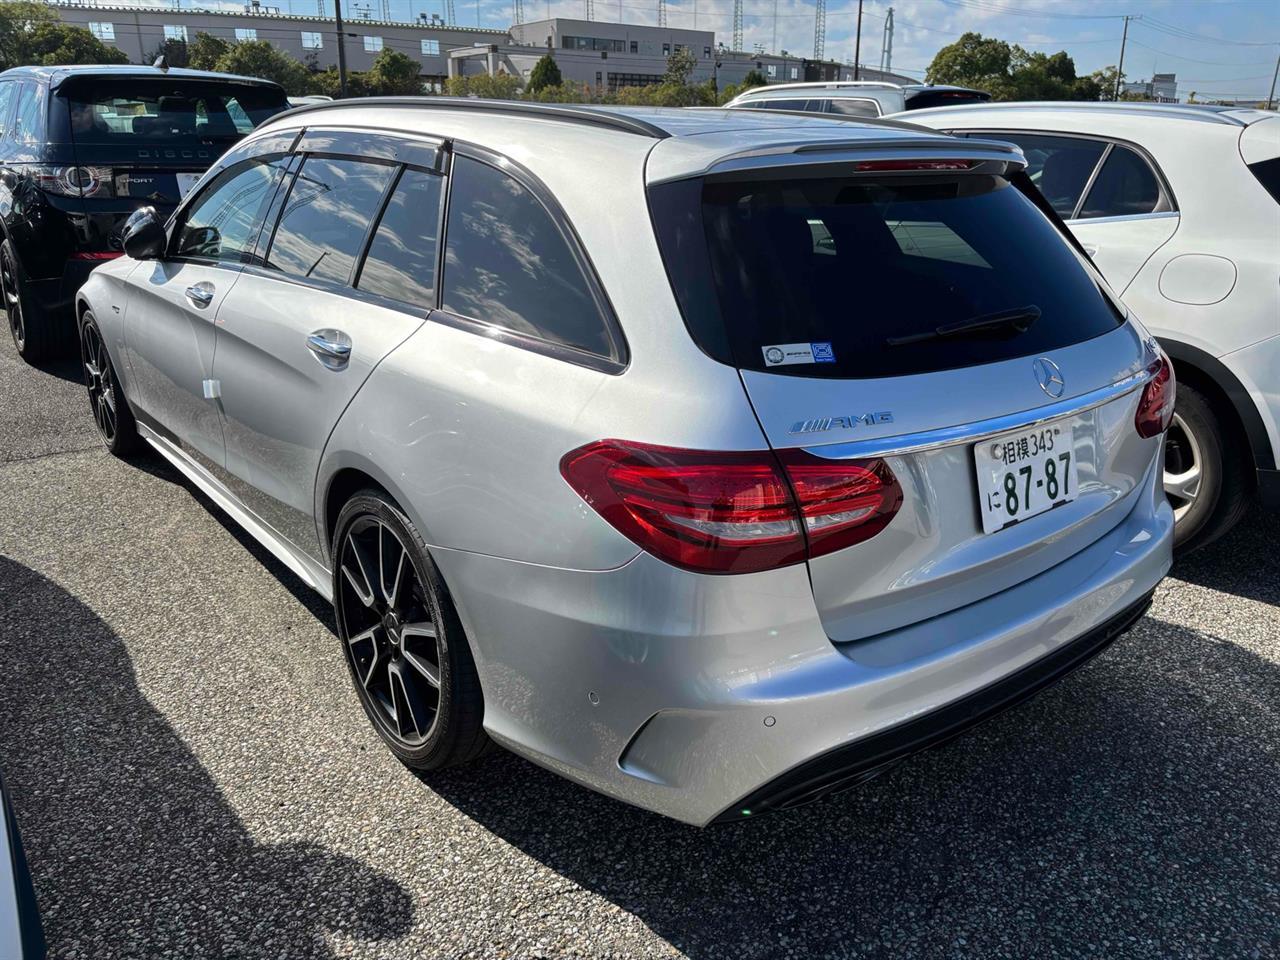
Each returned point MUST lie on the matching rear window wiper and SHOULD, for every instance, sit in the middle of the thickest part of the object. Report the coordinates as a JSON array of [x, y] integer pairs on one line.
[[1014, 321]]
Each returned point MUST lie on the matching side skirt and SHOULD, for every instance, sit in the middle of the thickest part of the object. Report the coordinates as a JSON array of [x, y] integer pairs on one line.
[[307, 570]]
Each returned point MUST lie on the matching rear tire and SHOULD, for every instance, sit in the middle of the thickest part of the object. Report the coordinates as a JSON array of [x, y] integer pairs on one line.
[[405, 647], [1206, 477], [111, 412], [31, 329]]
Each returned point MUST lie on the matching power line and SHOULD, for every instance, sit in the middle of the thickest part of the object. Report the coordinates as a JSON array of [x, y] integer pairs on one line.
[[1212, 63], [1184, 34], [1033, 14]]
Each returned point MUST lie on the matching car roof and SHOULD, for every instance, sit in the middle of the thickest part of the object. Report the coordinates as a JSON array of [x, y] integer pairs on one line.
[[671, 142], [1189, 112], [56, 75]]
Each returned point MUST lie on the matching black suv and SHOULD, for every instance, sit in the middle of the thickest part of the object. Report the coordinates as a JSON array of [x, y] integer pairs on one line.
[[83, 147]]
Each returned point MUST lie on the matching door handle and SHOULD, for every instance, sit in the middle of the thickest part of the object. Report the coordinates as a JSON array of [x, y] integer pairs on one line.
[[201, 294], [331, 347]]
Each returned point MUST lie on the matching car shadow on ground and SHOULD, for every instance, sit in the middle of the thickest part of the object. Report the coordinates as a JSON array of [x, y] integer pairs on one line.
[[176, 874], [1244, 563]]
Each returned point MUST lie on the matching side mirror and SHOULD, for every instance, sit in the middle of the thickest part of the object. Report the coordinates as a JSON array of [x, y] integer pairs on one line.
[[144, 236]]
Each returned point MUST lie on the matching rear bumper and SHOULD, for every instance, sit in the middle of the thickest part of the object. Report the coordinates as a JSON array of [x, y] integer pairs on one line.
[[694, 695]]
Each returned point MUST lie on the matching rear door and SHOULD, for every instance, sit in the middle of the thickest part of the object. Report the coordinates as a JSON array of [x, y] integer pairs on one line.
[[307, 323], [938, 323]]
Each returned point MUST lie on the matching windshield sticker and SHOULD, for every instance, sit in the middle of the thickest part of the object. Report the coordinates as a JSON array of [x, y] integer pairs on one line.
[[782, 354]]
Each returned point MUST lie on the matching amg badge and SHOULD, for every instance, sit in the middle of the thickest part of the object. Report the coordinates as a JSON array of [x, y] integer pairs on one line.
[[841, 423]]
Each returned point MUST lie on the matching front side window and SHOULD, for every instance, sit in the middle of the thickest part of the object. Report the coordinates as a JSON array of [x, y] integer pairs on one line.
[[222, 223], [1124, 187], [246, 33], [312, 40], [372, 44], [175, 31], [401, 263], [326, 217], [508, 264], [103, 31], [431, 48], [1059, 166]]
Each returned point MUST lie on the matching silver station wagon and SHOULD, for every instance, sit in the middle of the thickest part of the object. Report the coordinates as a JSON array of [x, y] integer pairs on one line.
[[716, 460]]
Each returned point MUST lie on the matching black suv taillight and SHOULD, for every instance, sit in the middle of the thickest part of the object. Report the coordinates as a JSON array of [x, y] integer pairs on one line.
[[733, 512]]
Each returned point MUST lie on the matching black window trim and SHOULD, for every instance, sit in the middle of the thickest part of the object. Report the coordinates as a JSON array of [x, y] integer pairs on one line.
[[621, 358], [1165, 205]]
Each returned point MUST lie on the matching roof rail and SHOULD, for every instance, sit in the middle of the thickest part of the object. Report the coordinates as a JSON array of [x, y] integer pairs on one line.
[[568, 113], [893, 122], [821, 85]]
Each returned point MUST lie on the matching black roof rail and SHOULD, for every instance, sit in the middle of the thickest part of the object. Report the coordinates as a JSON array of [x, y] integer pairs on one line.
[[569, 113]]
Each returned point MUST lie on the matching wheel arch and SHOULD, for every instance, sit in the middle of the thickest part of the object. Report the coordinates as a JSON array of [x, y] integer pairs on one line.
[[341, 476], [1210, 375]]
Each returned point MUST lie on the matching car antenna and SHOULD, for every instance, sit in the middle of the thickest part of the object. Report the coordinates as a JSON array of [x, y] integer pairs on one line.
[[161, 63]]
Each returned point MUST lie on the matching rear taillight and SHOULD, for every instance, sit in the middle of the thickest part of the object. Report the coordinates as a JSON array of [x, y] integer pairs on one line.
[[892, 166], [1155, 409], [75, 181], [718, 512]]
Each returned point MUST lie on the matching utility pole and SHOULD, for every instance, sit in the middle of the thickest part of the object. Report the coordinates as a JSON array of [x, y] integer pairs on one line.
[[820, 30], [1124, 39], [886, 45], [773, 48], [1272, 95], [342, 49], [857, 46], [737, 25]]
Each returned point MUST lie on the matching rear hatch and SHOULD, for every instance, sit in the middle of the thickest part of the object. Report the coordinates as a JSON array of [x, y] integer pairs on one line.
[[140, 140], [920, 312]]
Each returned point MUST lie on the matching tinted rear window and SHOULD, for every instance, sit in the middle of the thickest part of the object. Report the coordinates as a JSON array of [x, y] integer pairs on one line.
[[1268, 174], [851, 264], [172, 113]]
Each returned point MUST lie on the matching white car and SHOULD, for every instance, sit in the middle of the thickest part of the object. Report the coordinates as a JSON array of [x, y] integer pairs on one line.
[[1179, 206], [854, 98]]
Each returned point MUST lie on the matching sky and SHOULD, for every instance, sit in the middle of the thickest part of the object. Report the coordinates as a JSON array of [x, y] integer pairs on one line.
[[1224, 48]]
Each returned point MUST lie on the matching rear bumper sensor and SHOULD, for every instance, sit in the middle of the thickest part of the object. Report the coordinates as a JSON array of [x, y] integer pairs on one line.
[[864, 759]]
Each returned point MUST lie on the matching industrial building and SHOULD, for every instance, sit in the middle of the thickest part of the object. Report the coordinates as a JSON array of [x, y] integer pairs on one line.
[[602, 54], [1161, 88]]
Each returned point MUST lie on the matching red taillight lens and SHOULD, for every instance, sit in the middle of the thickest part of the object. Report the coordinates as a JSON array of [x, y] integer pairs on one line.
[[719, 512], [1155, 409]]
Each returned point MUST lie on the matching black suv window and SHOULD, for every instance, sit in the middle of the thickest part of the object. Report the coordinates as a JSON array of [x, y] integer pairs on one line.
[[28, 119], [222, 223], [1125, 186], [7, 90], [509, 265], [871, 273], [1059, 166], [401, 263], [326, 217]]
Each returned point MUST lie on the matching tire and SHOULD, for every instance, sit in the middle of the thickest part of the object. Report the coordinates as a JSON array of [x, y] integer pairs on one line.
[[32, 331], [399, 629], [1206, 477], [111, 412]]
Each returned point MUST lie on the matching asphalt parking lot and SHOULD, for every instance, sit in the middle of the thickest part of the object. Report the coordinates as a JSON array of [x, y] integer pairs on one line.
[[195, 779]]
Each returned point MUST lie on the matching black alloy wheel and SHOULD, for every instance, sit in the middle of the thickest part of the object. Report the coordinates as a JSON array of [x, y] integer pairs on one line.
[[111, 413], [12, 299]]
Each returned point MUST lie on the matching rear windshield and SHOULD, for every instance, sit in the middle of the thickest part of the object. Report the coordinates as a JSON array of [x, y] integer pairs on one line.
[[170, 112], [922, 99], [850, 277]]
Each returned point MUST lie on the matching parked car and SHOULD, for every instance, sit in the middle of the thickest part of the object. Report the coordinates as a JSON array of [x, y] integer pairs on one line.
[[854, 98], [21, 933], [83, 147], [847, 451], [1179, 206]]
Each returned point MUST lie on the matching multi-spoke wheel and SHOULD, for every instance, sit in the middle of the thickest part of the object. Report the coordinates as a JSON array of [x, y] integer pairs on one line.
[[1206, 470], [111, 411], [1183, 469], [404, 645], [28, 328]]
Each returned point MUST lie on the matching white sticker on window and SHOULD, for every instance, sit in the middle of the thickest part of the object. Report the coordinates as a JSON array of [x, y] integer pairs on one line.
[[782, 354]]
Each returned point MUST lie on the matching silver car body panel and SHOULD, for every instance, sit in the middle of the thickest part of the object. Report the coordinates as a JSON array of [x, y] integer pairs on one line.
[[580, 638]]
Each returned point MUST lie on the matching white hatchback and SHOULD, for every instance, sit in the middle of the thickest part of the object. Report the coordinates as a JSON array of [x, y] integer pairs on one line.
[[1179, 206]]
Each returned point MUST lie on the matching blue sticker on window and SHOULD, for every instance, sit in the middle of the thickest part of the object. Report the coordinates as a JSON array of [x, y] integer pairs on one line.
[[822, 353]]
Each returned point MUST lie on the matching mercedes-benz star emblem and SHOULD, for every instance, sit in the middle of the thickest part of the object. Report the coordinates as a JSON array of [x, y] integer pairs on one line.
[[1049, 377]]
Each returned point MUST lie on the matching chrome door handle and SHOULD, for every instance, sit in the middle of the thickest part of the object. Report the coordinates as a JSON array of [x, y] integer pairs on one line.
[[201, 294], [331, 347]]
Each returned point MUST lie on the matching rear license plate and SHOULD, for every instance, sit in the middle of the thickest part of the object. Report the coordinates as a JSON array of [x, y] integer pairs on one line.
[[186, 181], [1024, 473]]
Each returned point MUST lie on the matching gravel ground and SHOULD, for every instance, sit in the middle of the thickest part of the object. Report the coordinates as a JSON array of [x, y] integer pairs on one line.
[[195, 779]]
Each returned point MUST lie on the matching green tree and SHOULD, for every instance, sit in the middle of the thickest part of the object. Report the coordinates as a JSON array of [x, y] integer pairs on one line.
[[1008, 72], [1106, 79], [17, 19], [680, 66], [545, 73], [258, 58], [175, 53], [326, 82], [502, 87], [754, 78], [205, 50], [59, 43], [394, 74], [972, 61]]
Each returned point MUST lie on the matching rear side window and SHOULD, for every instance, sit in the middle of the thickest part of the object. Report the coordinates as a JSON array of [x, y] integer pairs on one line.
[[223, 222], [1059, 166], [855, 108], [7, 89], [326, 216], [401, 263], [869, 272], [1125, 186], [28, 118], [1267, 173], [508, 264]]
